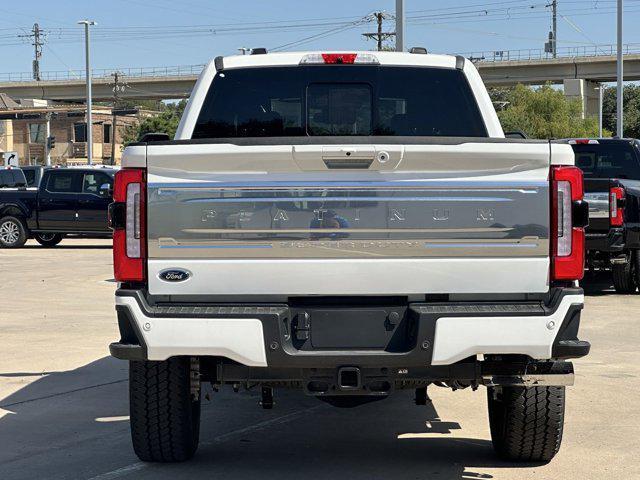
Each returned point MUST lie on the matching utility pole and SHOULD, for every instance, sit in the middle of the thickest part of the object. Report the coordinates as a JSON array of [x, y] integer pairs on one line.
[[399, 25], [379, 36], [554, 27], [552, 45], [116, 88], [37, 43], [620, 73], [86, 24]]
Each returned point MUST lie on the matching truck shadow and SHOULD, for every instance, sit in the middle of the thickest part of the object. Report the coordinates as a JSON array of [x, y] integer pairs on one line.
[[74, 424], [597, 284]]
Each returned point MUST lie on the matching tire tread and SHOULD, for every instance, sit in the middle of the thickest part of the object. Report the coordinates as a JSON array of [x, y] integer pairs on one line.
[[164, 417], [624, 278], [527, 423]]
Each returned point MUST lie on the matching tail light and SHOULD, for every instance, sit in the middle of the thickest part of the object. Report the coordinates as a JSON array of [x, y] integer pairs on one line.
[[569, 217], [616, 206], [127, 219]]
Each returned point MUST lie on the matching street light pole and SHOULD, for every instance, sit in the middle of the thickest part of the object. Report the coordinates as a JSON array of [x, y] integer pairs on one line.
[[399, 25], [86, 24], [620, 73], [601, 90], [47, 142]]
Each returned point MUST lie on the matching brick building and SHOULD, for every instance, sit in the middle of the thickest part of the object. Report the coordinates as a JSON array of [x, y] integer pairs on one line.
[[23, 129]]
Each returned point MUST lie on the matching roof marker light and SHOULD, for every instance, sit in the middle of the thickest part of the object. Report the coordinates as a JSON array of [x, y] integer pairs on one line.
[[583, 141], [339, 59]]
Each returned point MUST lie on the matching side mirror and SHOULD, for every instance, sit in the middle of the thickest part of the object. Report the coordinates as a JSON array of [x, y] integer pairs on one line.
[[106, 190]]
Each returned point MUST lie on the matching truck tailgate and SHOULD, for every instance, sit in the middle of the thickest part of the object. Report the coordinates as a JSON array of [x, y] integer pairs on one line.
[[349, 219], [597, 194]]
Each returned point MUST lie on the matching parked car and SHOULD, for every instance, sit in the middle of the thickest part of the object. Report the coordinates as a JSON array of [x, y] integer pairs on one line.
[[347, 224], [612, 183], [68, 201], [12, 177]]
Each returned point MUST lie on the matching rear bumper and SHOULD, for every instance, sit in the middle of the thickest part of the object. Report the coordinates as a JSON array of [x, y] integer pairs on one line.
[[611, 241], [421, 334]]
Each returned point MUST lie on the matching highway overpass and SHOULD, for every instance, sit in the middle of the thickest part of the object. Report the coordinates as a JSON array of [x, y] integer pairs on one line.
[[74, 90]]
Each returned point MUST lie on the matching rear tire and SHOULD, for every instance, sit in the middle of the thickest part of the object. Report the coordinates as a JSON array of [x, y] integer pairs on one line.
[[625, 275], [13, 233], [48, 239], [165, 417], [526, 423]]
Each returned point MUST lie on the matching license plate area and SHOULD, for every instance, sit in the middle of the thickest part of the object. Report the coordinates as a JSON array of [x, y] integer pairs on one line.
[[356, 328]]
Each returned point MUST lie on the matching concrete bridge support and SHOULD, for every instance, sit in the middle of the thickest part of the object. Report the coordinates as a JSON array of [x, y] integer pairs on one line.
[[587, 92]]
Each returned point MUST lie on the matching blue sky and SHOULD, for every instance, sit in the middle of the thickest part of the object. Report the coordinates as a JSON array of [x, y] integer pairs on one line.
[[174, 32]]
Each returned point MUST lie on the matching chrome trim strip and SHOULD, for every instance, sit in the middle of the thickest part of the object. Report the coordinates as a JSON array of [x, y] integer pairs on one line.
[[482, 245], [345, 230], [215, 246], [426, 245], [345, 199], [467, 186]]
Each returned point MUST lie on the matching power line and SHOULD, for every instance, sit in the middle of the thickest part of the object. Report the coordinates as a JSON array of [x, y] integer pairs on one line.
[[471, 12], [505, 10], [333, 31], [510, 17]]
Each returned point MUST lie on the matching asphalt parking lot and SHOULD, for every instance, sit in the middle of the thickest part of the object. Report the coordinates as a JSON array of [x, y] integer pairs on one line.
[[64, 406]]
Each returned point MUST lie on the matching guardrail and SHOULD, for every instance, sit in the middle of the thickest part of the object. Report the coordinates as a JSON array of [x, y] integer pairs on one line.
[[182, 70], [101, 73], [540, 54]]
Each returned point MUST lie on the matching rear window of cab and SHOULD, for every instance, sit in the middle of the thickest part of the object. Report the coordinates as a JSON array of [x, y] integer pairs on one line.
[[608, 160], [339, 100]]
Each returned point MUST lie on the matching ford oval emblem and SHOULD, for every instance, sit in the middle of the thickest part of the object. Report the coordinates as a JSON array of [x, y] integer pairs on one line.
[[174, 275]]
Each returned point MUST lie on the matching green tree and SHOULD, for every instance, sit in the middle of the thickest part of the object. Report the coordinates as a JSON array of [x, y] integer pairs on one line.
[[164, 122], [543, 113], [631, 100]]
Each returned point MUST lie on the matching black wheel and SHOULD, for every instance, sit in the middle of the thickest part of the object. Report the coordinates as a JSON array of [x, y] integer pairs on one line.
[[48, 239], [165, 414], [13, 233], [625, 276], [526, 423]]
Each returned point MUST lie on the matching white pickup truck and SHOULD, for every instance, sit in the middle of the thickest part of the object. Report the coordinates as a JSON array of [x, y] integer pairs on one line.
[[348, 225]]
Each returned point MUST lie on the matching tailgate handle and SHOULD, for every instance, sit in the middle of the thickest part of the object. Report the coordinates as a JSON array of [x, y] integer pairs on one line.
[[338, 163]]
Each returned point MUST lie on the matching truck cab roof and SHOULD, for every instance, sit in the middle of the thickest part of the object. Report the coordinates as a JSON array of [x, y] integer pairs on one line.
[[339, 57]]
